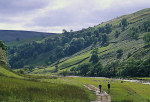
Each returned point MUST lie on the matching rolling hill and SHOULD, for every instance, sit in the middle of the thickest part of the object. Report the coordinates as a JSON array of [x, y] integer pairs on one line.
[[118, 42], [119, 38], [15, 87], [12, 35], [4, 71]]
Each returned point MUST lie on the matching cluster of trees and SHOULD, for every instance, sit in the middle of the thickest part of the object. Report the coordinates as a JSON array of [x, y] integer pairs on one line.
[[106, 29], [59, 46], [146, 38], [117, 33], [3, 46], [119, 53], [3, 54], [129, 68], [135, 68], [134, 31], [123, 23]]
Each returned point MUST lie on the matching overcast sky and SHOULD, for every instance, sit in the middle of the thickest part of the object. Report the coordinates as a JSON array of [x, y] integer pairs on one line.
[[55, 15]]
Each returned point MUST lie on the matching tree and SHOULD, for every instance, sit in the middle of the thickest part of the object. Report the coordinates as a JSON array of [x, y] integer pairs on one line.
[[84, 69], [65, 33], [134, 33], [105, 40], [146, 38], [3, 46], [94, 57], [108, 28], [96, 69], [64, 73], [146, 26], [119, 53], [117, 34], [111, 69], [124, 22]]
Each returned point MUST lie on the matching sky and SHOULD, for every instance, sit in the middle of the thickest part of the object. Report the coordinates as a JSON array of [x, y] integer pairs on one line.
[[55, 15]]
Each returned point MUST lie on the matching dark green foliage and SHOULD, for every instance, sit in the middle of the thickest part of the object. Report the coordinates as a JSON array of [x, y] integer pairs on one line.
[[94, 57], [124, 22], [119, 53], [3, 54], [65, 73], [136, 68], [84, 69], [65, 33], [134, 33], [110, 70], [123, 28], [3, 46], [129, 55], [57, 47], [146, 38], [117, 34], [105, 40], [146, 26], [96, 70], [106, 29]]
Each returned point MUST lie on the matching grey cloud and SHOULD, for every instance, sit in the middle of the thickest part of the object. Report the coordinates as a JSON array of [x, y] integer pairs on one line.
[[14, 7], [55, 18], [80, 13]]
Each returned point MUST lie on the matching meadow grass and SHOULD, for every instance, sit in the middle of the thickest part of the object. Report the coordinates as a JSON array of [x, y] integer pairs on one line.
[[41, 90], [120, 92], [8, 73]]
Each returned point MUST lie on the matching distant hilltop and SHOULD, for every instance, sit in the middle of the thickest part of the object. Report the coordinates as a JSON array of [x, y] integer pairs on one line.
[[11, 35]]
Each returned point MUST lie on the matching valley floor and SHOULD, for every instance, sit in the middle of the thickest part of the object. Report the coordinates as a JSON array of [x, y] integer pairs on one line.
[[71, 89]]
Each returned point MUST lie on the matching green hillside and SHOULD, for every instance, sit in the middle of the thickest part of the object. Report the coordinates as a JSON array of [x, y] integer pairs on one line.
[[8, 73], [125, 43], [118, 42], [117, 48], [4, 71], [37, 88]]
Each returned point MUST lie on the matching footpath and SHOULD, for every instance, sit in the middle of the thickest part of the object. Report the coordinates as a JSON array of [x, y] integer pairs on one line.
[[101, 97]]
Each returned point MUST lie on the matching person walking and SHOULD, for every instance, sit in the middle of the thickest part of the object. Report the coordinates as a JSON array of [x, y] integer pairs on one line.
[[108, 87], [100, 87]]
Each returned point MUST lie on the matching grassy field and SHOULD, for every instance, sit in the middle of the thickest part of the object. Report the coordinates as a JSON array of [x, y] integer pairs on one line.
[[120, 92], [17, 90], [66, 89], [8, 73]]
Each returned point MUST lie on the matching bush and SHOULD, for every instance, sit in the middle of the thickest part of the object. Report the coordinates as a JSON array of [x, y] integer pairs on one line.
[[146, 38], [119, 53]]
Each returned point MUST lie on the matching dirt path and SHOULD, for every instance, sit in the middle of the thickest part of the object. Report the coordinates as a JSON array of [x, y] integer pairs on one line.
[[101, 97]]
